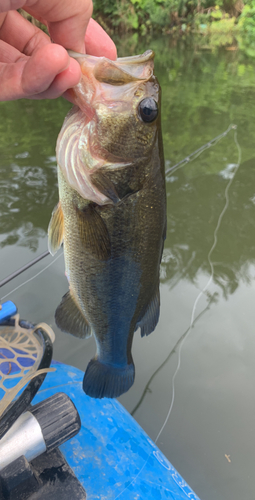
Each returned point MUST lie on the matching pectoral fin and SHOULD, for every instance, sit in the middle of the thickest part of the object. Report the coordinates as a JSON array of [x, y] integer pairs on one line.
[[56, 229], [105, 186], [70, 319], [94, 233], [150, 319]]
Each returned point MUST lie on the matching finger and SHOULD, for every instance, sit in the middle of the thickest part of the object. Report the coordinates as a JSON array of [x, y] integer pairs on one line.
[[67, 21], [7, 5], [31, 76], [21, 34], [44, 67], [98, 43], [8, 54], [60, 85]]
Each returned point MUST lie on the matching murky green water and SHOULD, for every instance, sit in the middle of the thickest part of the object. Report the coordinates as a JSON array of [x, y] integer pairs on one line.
[[209, 435]]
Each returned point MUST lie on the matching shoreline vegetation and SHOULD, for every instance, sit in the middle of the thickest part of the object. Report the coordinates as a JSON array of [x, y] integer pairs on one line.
[[213, 23]]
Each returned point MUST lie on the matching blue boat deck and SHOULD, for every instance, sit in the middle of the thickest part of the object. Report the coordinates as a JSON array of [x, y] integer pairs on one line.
[[112, 456]]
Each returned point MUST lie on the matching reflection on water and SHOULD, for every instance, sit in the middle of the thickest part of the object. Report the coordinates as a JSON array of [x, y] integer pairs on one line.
[[193, 210], [28, 184], [214, 409], [180, 341]]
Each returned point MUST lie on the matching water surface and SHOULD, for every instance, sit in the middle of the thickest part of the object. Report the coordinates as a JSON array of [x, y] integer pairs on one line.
[[209, 435]]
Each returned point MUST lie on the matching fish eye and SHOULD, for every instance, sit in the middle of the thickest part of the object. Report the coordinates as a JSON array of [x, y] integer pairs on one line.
[[148, 109]]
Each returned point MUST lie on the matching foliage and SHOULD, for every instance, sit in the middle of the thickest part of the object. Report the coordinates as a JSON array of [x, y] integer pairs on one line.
[[160, 15], [222, 32], [246, 25], [143, 15], [229, 23]]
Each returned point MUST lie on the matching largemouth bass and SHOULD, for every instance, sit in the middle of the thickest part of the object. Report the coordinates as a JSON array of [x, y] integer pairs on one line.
[[111, 214]]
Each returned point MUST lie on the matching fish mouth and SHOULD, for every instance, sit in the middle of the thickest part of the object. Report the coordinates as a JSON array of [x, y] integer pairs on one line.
[[120, 72], [109, 82], [141, 58]]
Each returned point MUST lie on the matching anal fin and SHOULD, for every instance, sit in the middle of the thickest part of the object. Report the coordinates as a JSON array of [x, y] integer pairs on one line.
[[70, 319], [56, 229], [150, 319]]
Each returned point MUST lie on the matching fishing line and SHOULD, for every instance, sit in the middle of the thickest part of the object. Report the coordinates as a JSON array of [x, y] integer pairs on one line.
[[33, 277], [198, 151], [192, 321], [173, 350], [208, 283], [23, 268]]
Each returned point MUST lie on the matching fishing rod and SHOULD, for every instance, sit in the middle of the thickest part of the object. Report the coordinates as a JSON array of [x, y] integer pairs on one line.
[[23, 268], [212, 142]]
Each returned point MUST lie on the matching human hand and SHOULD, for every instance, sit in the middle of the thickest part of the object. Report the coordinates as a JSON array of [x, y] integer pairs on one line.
[[33, 67]]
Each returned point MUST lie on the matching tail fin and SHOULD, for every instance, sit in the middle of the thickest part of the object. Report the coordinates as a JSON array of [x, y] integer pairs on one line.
[[107, 381]]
